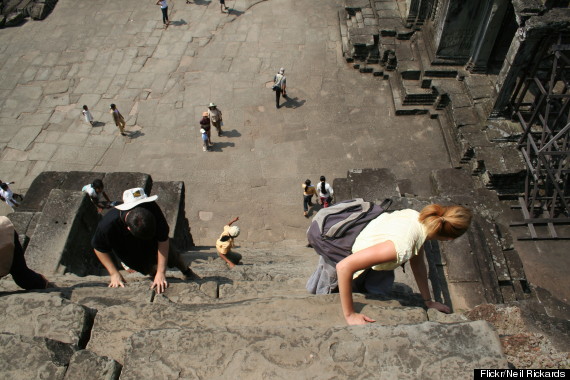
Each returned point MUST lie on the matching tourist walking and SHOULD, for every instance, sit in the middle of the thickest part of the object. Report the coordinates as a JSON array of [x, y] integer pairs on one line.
[[215, 116], [325, 192], [279, 86], [386, 242], [225, 244], [205, 145], [223, 5], [87, 116], [205, 125], [118, 118], [308, 192], [164, 9]]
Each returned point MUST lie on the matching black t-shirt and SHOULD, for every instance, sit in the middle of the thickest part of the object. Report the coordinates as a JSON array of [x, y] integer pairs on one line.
[[112, 236]]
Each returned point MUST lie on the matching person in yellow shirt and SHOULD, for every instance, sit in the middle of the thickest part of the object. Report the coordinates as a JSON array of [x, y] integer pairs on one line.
[[308, 192], [225, 244]]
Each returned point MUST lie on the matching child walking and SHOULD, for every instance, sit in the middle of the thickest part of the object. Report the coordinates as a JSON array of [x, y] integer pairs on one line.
[[87, 115], [205, 146]]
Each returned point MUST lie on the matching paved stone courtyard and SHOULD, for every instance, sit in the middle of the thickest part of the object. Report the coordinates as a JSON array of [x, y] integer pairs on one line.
[[97, 53]]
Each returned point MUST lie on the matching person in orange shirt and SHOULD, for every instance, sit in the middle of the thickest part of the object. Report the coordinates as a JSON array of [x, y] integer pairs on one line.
[[308, 192]]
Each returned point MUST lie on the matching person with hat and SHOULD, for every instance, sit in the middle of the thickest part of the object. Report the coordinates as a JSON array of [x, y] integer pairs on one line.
[[215, 116], [12, 259], [225, 244], [205, 125], [136, 231]]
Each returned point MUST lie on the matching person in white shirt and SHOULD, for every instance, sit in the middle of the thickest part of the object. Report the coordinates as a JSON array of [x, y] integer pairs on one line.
[[95, 190], [87, 115], [164, 9], [325, 192]]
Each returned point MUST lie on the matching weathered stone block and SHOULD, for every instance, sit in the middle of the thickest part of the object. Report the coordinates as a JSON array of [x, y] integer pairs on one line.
[[115, 324], [62, 238], [39, 189], [116, 183], [437, 316], [448, 182], [367, 31], [45, 315], [362, 40], [342, 190], [461, 266], [356, 4], [24, 358], [76, 180], [373, 184], [413, 351], [87, 365], [171, 197], [464, 116]]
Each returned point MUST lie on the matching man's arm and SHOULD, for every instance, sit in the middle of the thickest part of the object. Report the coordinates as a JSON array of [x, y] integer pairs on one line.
[[420, 274], [160, 284], [117, 279]]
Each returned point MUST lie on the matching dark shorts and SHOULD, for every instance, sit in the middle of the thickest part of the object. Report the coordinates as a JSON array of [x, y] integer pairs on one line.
[[223, 2]]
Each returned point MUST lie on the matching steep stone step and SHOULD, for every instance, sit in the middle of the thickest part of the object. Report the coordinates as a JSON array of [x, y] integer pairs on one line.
[[115, 324], [256, 264], [421, 351], [45, 315], [24, 358], [211, 290]]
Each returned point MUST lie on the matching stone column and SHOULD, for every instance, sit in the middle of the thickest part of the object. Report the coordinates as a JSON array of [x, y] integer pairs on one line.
[[523, 53], [457, 31], [489, 30]]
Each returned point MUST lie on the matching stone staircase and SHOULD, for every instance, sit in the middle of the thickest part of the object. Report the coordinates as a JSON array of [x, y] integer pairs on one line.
[[255, 321]]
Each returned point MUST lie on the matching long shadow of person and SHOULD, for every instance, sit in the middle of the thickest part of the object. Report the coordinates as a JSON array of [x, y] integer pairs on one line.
[[234, 12], [232, 133], [293, 102], [219, 146], [179, 23], [135, 134]]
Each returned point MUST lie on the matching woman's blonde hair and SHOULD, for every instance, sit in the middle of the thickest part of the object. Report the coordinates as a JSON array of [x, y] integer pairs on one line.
[[445, 221]]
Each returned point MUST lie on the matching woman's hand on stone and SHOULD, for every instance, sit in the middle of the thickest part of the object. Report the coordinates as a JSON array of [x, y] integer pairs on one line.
[[358, 319]]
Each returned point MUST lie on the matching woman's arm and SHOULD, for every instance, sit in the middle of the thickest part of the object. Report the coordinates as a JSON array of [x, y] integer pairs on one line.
[[366, 258], [420, 274]]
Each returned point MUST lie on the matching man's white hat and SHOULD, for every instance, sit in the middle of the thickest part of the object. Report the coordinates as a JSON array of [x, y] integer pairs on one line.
[[211, 105], [134, 197]]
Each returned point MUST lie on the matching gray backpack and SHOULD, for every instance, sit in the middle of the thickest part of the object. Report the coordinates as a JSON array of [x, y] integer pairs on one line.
[[334, 229]]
